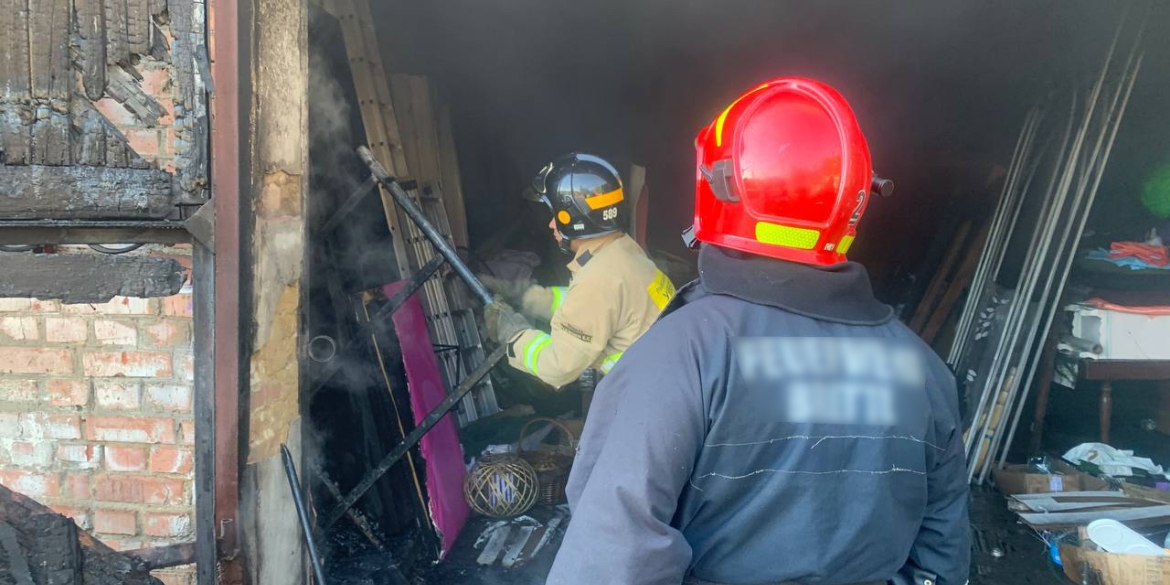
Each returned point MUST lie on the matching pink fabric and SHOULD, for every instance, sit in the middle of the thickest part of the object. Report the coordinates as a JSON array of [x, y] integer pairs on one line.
[[440, 447]]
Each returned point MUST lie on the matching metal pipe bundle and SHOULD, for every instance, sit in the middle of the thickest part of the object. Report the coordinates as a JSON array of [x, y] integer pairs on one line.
[[1065, 204]]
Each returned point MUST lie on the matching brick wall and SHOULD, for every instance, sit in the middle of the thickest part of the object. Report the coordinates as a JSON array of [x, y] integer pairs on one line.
[[95, 414]]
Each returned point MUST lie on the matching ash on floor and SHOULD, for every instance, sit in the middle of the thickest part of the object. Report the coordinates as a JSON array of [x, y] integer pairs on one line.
[[1005, 552], [515, 552]]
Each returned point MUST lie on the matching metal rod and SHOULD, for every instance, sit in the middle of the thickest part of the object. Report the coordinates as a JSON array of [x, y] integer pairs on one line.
[[302, 513], [1067, 264], [350, 204], [416, 215], [415, 436], [977, 283], [1077, 211]]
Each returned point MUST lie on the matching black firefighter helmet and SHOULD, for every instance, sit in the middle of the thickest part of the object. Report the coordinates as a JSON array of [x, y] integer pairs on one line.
[[585, 195]]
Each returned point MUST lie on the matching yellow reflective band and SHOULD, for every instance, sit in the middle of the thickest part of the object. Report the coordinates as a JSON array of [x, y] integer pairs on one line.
[[723, 117], [787, 236], [605, 199], [846, 242], [533, 349], [608, 363], [558, 293], [661, 290]]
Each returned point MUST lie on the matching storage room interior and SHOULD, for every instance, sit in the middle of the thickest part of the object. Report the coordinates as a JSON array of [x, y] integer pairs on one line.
[[1020, 137]]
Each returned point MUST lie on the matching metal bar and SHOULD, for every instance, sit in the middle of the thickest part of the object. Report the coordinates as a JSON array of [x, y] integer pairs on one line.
[[294, 484], [997, 218], [1067, 263], [229, 157], [165, 557], [416, 215], [350, 204], [1038, 262], [203, 283], [413, 438]]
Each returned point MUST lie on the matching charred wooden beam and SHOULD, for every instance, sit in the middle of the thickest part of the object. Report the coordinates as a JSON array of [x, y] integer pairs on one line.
[[165, 557], [93, 232], [88, 278], [40, 192]]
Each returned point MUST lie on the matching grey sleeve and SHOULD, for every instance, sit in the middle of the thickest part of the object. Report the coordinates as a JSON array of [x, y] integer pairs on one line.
[[645, 429], [943, 546]]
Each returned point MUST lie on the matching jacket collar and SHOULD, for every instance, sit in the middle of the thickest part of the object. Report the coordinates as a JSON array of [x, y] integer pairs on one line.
[[840, 293], [589, 248]]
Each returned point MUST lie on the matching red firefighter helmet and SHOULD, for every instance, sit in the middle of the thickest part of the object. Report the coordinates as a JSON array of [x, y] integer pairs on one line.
[[784, 172]]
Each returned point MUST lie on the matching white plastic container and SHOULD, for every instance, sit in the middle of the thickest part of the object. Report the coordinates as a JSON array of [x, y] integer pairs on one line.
[[1115, 537]]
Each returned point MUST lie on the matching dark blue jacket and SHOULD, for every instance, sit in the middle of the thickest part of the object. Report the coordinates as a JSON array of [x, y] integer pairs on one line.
[[777, 424]]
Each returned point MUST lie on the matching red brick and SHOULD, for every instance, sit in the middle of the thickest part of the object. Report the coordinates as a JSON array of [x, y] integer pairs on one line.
[[43, 425], [67, 392], [33, 485], [168, 333], [155, 82], [78, 486], [166, 525], [83, 456], [109, 332], [117, 394], [19, 328], [122, 458], [9, 425], [180, 305], [115, 522], [19, 391], [116, 113], [35, 454], [80, 516], [145, 141], [185, 367], [49, 306], [166, 459], [116, 306], [187, 433], [137, 489], [173, 578], [35, 360], [123, 545], [129, 364], [173, 397], [120, 429], [14, 305], [65, 330]]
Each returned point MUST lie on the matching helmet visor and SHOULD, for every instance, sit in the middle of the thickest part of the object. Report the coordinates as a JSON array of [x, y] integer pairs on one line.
[[538, 191]]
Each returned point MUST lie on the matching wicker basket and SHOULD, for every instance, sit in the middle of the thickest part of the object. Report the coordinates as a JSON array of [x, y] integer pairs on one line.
[[501, 486], [552, 466]]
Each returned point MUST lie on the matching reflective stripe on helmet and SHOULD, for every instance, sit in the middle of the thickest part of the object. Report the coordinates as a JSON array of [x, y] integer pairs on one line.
[[605, 199], [608, 363], [533, 349], [788, 236], [723, 117], [558, 295], [846, 242]]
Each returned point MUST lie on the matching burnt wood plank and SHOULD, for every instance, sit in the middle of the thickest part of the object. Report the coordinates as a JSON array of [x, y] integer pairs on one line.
[[183, 57], [91, 27], [117, 43], [51, 24], [90, 147], [15, 112], [40, 192], [127, 90], [89, 278], [138, 26], [158, 8]]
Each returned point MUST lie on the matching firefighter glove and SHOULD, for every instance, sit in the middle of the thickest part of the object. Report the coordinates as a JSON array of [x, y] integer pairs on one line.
[[511, 290], [503, 322]]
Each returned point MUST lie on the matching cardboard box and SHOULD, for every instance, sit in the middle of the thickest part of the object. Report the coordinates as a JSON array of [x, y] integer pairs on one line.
[[1018, 479], [1114, 569]]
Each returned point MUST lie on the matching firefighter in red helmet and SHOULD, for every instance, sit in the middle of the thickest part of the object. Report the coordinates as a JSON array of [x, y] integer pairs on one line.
[[777, 425]]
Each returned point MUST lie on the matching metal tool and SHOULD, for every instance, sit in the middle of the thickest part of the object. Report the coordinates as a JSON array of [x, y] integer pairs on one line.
[[416, 215], [302, 514]]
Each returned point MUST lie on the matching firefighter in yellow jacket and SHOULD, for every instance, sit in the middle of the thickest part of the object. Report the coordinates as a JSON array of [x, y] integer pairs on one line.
[[616, 291]]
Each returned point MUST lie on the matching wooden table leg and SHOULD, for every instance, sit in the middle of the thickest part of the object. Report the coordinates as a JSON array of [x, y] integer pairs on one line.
[[1106, 409]]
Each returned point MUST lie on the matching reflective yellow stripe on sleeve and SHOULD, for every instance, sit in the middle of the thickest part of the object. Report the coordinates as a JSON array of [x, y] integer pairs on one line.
[[558, 294], [533, 349], [608, 363]]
